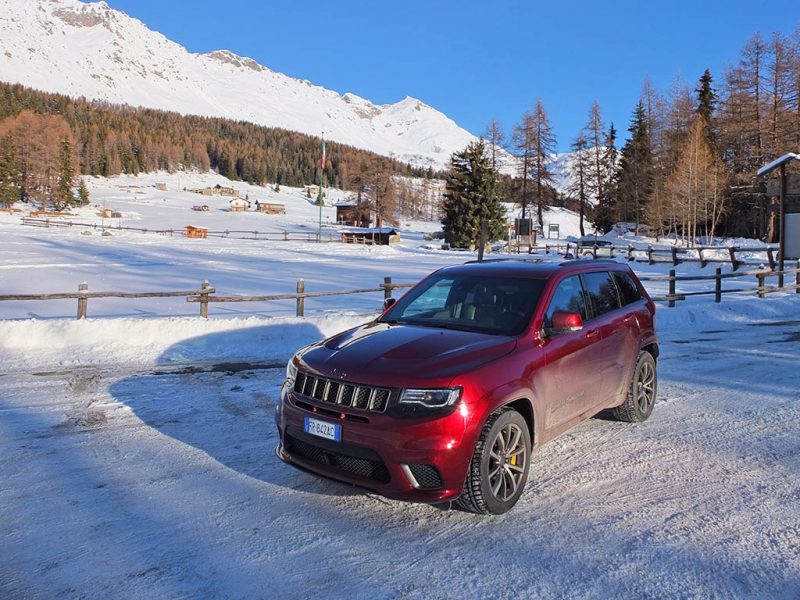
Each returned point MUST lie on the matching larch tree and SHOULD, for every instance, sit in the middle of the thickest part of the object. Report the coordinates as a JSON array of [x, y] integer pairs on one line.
[[579, 168], [524, 145], [544, 151], [595, 130]]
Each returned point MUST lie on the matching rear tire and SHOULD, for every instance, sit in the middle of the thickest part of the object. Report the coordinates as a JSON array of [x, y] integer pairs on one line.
[[641, 395], [499, 466]]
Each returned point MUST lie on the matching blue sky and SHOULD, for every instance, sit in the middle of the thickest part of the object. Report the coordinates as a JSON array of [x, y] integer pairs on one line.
[[477, 60]]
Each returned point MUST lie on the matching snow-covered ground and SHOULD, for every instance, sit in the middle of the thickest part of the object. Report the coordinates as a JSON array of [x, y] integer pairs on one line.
[[148, 471], [43, 260], [137, 445]]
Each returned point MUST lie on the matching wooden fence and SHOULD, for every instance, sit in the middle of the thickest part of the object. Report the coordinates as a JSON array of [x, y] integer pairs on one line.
[[205, 294], [672, 254], [240, 234]]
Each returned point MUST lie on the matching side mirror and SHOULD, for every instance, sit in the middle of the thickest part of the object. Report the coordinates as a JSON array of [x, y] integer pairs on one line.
[[388, 303], [565, 322]]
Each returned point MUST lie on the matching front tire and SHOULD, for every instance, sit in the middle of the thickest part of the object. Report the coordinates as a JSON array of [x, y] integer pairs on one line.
[[641, 396], [499, 466]]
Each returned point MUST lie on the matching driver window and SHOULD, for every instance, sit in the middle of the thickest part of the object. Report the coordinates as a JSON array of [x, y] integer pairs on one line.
[[569, 297]]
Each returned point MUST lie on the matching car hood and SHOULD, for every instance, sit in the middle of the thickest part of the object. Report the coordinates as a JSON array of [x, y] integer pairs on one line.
[[399, 355]]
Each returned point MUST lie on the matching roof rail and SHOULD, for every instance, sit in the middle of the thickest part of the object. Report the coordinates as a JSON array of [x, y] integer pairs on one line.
[[496, 260], [607, 261]]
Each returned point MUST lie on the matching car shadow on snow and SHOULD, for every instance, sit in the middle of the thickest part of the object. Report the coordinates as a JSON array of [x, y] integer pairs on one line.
[[226, 408]]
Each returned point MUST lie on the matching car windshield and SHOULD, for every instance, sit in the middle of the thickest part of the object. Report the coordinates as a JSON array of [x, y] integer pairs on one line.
[[496, 305]]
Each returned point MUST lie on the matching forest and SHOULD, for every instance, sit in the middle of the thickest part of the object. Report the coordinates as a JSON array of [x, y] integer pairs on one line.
[[106, 140]]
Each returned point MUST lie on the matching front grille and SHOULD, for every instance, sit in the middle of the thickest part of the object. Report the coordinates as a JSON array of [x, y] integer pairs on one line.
[[362, 397], [368, 466], [427, 476]]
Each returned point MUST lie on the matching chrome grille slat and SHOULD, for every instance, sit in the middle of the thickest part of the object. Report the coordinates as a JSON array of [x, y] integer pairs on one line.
[[330, 391]]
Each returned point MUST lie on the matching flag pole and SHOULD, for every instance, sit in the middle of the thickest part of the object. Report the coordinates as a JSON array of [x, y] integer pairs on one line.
[[319, 199]]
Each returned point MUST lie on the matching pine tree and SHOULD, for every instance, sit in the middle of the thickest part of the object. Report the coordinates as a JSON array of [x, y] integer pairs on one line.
[[83, 193], [706, 97], [635, 175], [605, 210], [9, 171], [468, 198], [63, 195]]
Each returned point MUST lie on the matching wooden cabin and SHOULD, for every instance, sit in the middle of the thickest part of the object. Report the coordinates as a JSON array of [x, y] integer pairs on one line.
[[270, 208], [239, 205], [196, 232]]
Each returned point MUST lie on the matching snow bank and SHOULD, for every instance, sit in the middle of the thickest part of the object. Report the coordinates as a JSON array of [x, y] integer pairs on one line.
[[35, 344]]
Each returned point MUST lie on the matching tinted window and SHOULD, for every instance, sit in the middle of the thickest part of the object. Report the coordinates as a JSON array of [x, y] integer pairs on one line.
[[602, 292], [568, 297], [627, 287], [501, 305]]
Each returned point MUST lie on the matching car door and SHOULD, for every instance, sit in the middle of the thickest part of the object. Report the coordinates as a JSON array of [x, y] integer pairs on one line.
[[570, 373], [614, 332]]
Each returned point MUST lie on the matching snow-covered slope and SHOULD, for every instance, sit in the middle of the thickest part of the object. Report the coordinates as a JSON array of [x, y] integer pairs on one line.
[[92, 50]]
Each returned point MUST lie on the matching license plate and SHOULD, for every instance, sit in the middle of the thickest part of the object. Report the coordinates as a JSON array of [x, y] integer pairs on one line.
[[323, 429]]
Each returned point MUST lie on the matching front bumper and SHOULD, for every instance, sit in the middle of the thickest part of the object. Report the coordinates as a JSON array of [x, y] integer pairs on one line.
[[378, 452]]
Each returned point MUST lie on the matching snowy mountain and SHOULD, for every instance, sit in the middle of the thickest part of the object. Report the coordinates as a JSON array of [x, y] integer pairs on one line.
[[92, 50]]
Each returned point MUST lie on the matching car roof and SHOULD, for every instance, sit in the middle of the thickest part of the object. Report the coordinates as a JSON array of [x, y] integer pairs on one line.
[[531, 268]]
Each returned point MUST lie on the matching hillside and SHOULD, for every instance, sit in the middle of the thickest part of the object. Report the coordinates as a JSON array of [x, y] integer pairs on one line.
[[94, 51]]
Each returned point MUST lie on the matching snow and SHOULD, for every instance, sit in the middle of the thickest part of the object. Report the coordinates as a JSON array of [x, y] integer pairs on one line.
[[93, 51], [137, 445]]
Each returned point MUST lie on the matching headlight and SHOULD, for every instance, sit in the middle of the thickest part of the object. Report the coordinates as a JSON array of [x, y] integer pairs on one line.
[[291, 370], [426, 402]]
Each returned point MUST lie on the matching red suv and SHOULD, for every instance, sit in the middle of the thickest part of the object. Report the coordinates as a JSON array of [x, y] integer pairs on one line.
[[448, 392]]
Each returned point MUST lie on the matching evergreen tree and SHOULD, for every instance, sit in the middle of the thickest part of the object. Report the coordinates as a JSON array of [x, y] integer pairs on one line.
[[706, 97], [83, 193], [9, 171], [606, 204], [468, 198], [63, 195], [635, 175]]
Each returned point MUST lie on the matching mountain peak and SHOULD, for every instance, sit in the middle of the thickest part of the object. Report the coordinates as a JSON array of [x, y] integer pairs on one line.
[[94, 51]]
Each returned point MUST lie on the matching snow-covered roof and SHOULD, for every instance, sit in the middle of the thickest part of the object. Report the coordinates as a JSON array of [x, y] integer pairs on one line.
[[346, 203], [371, 230]]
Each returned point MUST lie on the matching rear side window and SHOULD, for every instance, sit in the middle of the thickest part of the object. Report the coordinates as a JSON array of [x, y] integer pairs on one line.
[[627, 288], [568, 297], [602, 292]]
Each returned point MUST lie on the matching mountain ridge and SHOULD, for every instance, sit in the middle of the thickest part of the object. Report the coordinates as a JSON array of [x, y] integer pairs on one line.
[[92, 50]]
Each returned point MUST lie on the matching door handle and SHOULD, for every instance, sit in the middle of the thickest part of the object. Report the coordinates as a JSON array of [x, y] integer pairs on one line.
[[592, 333]]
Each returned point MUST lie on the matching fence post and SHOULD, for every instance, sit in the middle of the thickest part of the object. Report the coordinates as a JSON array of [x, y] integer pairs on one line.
[[700, 256], [83, 303], [650, 255], [671, 302], [797, 278], [734, 262], [760, 277], [387, 288], [718, 285], [630, 252], [674, 255], [771, 259], [301, 300], [204, 287], [594, 251]]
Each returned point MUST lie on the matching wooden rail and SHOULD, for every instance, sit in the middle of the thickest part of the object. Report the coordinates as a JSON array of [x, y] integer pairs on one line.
[[239, 234], [204, 295], [674, 254]]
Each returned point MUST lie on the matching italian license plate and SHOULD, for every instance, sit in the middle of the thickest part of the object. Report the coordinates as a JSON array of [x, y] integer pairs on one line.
[[323, 429]]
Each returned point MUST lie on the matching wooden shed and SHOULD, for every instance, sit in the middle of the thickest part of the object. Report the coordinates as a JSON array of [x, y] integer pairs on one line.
[[380, 236], [270, 208], [196, 232]]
